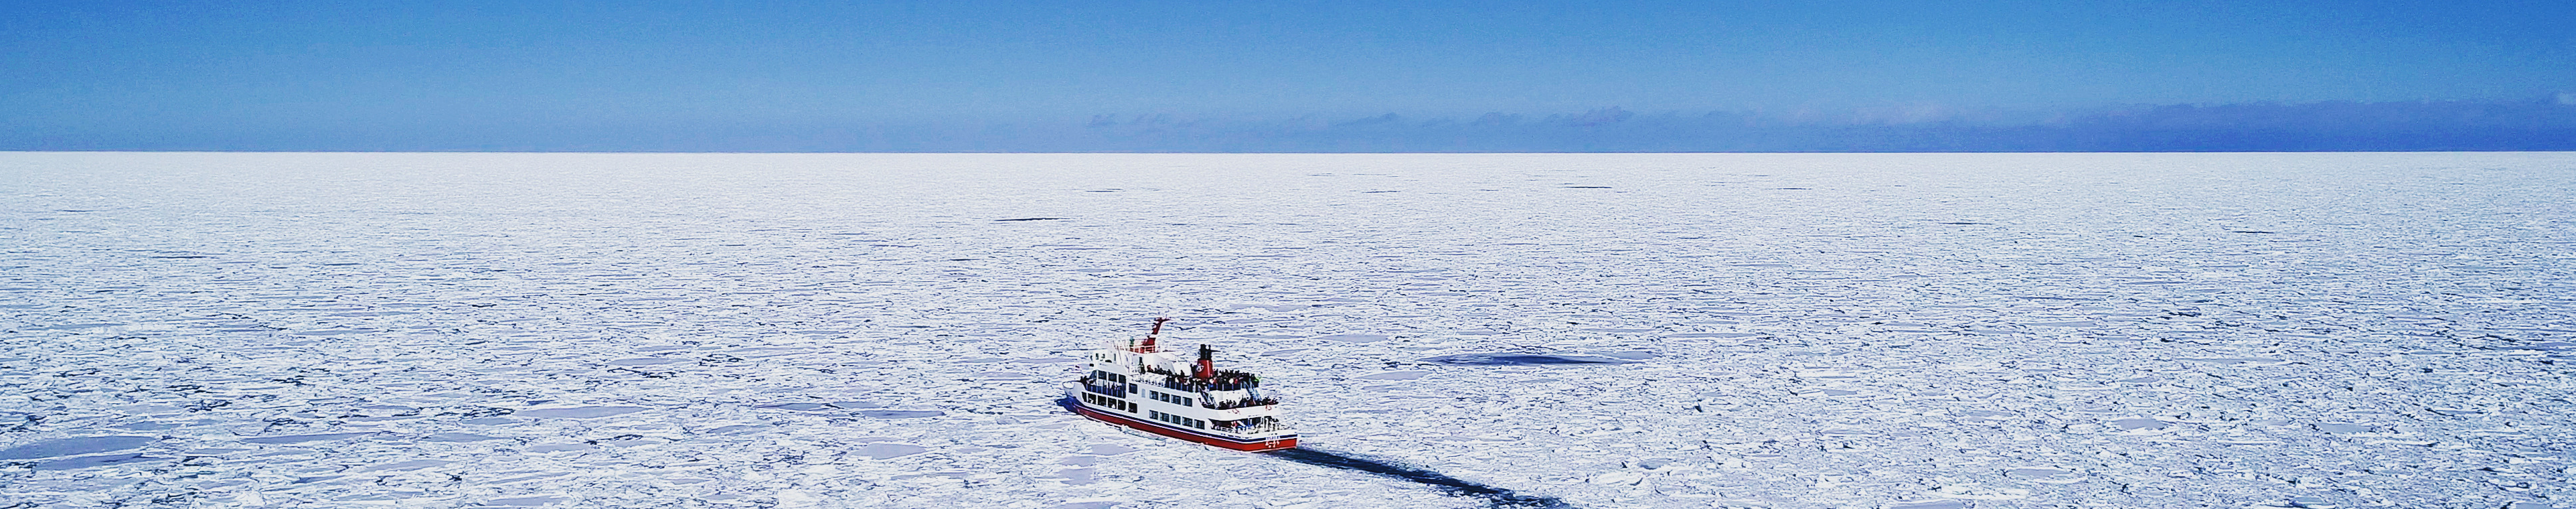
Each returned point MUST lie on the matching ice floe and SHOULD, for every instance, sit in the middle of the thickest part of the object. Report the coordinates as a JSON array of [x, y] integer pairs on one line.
[[1925, 331]]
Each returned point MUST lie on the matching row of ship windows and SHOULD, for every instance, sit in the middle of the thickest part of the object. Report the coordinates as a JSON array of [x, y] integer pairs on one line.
[[1175, 419], [1131, 407], [1121, 405]]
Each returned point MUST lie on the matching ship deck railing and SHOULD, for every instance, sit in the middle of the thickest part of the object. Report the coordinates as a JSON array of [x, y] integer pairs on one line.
[[1191, 385], [1239, 403], [1265, 427]]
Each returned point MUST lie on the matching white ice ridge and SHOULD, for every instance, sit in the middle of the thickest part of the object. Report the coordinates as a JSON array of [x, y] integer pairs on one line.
[[1619, 330]]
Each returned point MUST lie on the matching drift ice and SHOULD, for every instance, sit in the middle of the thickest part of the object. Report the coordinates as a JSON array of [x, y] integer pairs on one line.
[[1134, 384]]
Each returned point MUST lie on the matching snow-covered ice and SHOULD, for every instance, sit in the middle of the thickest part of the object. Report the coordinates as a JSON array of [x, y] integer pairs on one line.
[[1641, 330]]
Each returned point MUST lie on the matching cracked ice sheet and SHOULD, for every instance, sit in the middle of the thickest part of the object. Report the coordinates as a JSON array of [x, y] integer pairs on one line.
[[866, 330]]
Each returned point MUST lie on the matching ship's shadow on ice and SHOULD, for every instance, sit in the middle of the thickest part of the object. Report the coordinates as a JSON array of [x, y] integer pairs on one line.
[[1494, 497], [1532, 359]]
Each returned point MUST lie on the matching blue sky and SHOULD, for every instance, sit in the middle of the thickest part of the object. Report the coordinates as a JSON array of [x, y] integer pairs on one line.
[[294, 70]]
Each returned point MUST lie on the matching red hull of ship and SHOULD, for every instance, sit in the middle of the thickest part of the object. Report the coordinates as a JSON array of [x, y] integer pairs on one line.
[[1158, 429]]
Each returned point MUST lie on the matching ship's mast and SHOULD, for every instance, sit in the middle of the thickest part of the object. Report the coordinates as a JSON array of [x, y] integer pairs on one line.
[[1148, 346]]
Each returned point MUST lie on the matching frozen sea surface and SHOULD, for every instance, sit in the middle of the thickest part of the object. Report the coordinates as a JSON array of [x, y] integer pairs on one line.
[[1791, 331]]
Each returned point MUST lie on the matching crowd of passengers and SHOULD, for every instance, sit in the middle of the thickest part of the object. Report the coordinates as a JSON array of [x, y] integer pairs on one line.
[[1225, 380]]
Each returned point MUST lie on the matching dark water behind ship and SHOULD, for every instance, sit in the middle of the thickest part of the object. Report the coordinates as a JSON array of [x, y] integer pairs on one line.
[[1495, 497]]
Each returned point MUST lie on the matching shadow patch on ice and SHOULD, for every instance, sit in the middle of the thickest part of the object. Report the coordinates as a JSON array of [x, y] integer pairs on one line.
[[854, 405], [1534, 359], [297, 439], [1111, 449], [587, 412], [2238, 361], [900, 414], [73, 446], [2139, 424], [332, 332], [81, 462], [889, 450], [1494, 497]]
